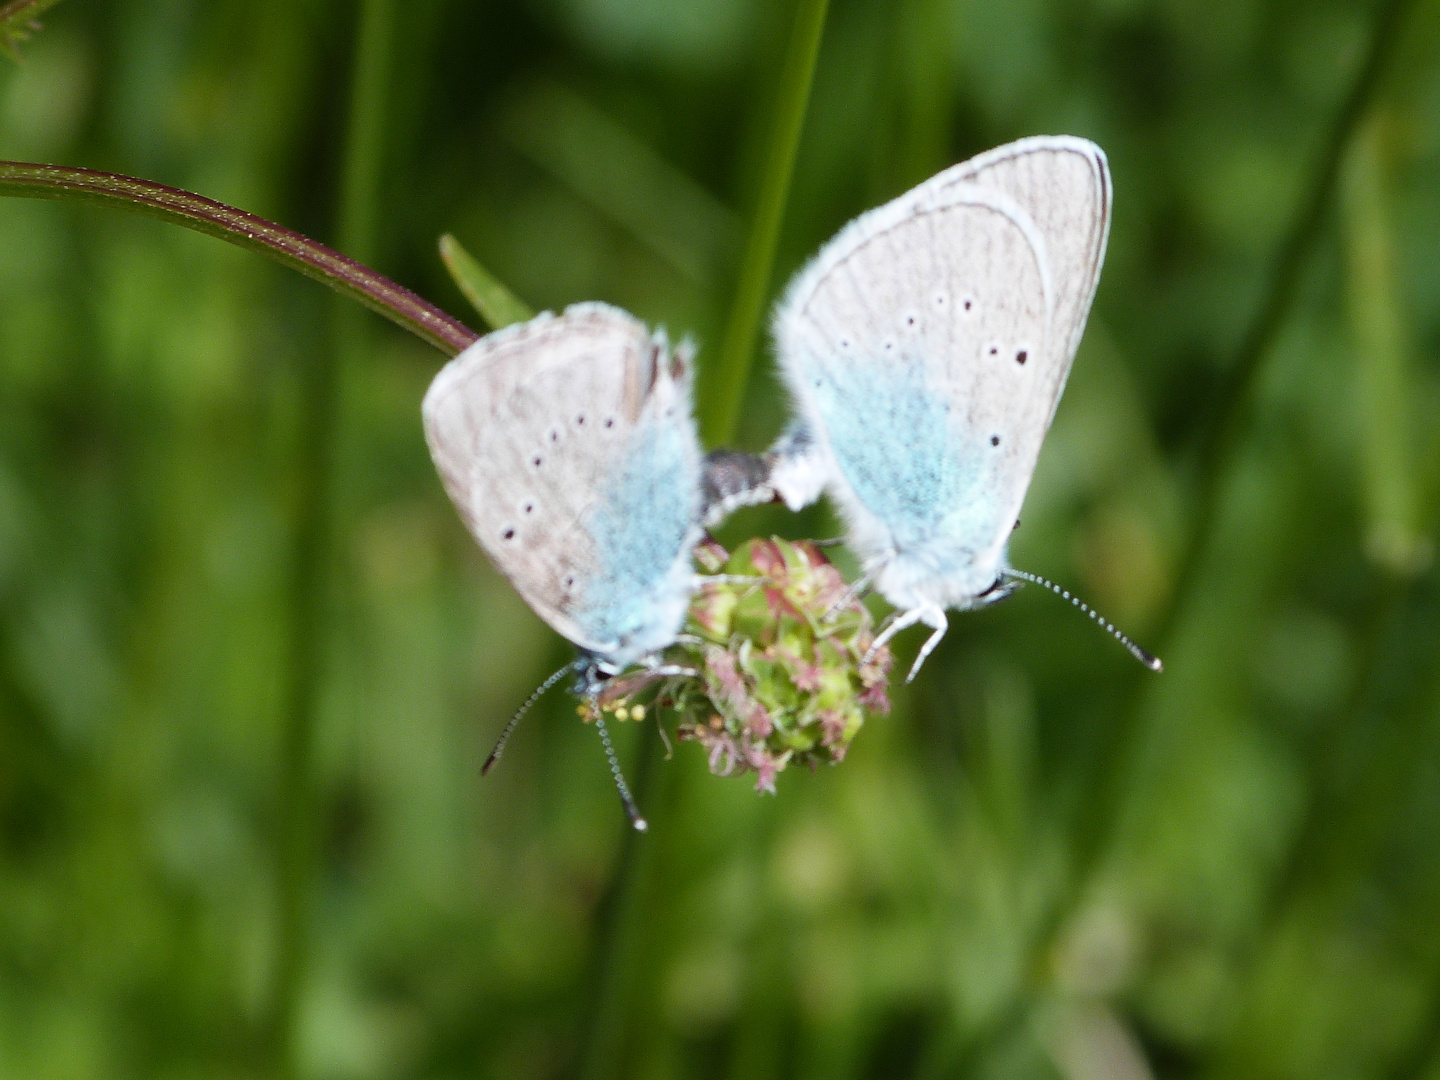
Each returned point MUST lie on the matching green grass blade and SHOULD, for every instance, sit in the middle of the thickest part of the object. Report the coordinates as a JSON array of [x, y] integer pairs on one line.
[[496, 304], [723, 385], [623, 178], [298, 834], [1385, 389]]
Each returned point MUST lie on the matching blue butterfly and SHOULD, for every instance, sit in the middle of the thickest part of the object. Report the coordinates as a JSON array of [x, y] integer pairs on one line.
[[925, 349]]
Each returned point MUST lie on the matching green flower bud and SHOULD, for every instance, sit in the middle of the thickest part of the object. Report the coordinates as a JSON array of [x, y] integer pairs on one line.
[[779, 647]]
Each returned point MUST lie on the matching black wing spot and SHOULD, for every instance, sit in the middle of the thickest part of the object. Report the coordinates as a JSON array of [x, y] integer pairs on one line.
[[968, 305], [570, 582], [994, 351], [609, 422], [994, 440], [536, 460], [508, 534], [529, 508], [580, 420], [1020, 357]]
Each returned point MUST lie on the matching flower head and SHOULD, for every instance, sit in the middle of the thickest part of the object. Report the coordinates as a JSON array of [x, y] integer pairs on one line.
[[781, 652]]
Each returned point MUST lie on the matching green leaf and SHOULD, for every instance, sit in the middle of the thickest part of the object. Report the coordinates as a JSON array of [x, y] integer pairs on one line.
[[496, 304], [18, 20]]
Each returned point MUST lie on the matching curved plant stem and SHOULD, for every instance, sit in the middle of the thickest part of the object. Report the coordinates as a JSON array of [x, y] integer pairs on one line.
[[342, 273], [726, 381], [297, 839]]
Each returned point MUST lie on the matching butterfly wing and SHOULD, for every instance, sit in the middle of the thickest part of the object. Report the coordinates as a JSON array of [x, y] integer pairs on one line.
[[567, 445], [1063, 184], [926, 347]]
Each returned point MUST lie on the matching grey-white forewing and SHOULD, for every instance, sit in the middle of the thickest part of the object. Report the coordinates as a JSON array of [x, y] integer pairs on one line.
[[939, 304], [527, 427], [1063, 184]]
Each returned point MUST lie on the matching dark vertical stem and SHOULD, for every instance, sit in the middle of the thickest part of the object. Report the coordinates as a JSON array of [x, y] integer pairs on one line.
[[1228, 419], [1226, 424], [622, 940], [622, 914], [296, 819], [309, 578]]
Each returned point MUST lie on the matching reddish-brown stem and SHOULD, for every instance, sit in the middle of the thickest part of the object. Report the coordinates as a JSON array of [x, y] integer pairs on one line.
[[314, 260]]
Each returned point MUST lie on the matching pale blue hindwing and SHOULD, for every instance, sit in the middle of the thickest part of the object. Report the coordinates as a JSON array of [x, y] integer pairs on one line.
[[903, 454], [648, 513]]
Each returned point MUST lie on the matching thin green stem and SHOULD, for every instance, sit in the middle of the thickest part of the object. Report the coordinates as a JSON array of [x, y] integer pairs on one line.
[[297, 841], [726, 380], [325, 265]]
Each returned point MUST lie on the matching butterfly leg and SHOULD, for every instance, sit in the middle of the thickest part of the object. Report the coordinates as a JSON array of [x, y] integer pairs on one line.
[[701, 580], [858, 588], [901, 622], [655, 665], [933, 617], [675, 669]]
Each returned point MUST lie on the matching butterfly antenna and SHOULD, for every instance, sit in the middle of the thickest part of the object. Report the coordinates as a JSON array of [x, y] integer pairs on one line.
[[1150, 661], [631, 810], [534, 697]]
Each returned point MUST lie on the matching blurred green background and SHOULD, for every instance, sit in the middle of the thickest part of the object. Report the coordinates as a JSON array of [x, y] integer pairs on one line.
[[1045, 863]]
